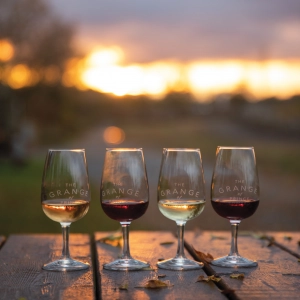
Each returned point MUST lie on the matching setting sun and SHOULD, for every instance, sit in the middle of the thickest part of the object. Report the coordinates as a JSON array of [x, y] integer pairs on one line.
[[102, 70]]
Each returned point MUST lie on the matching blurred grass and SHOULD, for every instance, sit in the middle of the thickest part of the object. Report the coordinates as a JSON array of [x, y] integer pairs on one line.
[[20, 204], [274, 153]]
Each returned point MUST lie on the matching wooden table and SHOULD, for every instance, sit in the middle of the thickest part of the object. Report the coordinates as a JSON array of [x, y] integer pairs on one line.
[[276, 277]]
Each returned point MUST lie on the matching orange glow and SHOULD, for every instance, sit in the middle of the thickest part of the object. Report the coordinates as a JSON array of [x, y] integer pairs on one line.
[[51, 74], [102, 71], [21, 76], [113, 135], [6, 50]]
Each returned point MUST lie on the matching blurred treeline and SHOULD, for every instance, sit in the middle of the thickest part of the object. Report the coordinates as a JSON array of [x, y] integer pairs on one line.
[[58, 113], [47, 111]]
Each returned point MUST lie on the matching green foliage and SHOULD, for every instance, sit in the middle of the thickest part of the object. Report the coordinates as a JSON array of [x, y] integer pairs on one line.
[[20, 204]]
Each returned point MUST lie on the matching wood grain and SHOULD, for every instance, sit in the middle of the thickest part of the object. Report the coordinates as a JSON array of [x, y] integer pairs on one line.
[[22, 277], [287, 241], [277, 274], [147, 246]]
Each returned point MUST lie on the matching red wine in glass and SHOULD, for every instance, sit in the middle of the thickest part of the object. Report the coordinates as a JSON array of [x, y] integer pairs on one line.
[[124, 210], [235, 209], [124, 197], [235, 195]]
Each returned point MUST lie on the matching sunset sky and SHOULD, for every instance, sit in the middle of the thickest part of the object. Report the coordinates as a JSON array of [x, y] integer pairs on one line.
[[188, 30], [206, 48]]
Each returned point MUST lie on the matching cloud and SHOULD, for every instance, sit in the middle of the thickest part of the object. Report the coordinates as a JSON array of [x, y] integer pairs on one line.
[[187, 30]]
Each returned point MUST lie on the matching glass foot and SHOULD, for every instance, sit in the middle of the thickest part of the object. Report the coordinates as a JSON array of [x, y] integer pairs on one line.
[[63, 265], [234, 261], [126, 265], [179, 264]]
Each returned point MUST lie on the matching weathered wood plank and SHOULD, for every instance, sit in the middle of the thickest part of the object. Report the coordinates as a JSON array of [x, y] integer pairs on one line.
[[277, 274], [21, 274], [147, 246], [289, 240]]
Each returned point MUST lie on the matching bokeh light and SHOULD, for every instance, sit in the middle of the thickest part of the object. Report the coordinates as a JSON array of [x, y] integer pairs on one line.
[[113, 135], [20, 76], [6, 50]]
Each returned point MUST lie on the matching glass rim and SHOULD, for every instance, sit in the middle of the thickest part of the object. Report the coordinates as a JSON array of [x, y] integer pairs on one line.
[[124, 149], [181, 149], [74, 150], [235, 147]]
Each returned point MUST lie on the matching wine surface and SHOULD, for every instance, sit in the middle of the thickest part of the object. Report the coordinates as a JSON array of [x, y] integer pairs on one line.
[[235, 209], [61, 210], [181, 210], [124, 210]]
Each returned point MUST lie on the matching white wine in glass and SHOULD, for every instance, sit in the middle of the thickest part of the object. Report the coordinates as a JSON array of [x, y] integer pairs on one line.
[[65, 198], [181, 197]]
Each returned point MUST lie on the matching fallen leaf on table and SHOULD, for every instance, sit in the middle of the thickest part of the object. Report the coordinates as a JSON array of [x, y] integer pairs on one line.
[[156, 284], [123, 286], [247, 233], [208, 278], [204, 257], [217, 237], [271, 241], [113, 240], [166, 243], [237, 276]]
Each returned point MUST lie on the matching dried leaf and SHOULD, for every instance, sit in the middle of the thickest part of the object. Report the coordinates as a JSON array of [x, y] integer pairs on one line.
[[260, 236], [204, 257], [271, 241], [247, 233], [156, 284], [217, 237], [166, 243], [113, 240], [208, 278], [123, 286], [237, 276]]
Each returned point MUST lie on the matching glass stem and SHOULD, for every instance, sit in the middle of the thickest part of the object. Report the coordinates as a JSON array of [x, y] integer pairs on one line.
[[234, 233], [65, 250], [126, 251], [180, 234]]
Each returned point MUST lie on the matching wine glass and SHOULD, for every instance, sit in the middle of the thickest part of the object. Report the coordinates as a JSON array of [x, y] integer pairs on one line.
[[65, 198], [235, 195], [124, 197], [181, 197]]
